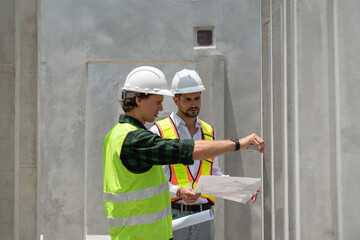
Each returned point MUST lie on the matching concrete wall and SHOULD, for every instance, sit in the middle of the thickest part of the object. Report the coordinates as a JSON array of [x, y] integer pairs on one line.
[[88, 47], [310, 87], [7, 124], [298, 88], [26, 117], [18, 121]]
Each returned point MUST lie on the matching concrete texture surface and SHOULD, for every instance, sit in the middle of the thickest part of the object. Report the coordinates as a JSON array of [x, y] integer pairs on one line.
[[285, 69], [308, 54], [91, 45]]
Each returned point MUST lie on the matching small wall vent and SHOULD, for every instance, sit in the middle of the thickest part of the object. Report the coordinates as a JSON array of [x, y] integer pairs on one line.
[[204, 36]]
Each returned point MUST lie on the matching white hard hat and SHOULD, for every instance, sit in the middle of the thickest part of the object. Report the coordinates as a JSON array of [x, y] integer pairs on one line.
[[146, 79], [186, 81]]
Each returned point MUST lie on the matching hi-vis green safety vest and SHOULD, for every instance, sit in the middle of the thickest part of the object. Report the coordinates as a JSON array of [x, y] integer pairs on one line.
[[137, 205], [180, 174]]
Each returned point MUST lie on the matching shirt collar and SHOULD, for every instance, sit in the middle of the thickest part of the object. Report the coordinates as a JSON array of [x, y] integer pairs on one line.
[[178, 120], [127, 119]]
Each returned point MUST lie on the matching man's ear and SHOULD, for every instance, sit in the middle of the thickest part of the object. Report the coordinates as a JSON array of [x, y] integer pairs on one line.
[[176, 100], [138, 101]]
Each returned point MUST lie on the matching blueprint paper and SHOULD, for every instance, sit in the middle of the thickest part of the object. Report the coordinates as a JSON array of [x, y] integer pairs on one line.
[[192, 219], [238, 189]]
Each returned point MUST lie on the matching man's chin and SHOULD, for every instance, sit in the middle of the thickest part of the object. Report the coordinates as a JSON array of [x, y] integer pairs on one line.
[[192, 115], [150, 120]]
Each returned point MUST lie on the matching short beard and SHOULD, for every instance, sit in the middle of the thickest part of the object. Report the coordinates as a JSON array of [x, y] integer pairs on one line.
[[189, 115]]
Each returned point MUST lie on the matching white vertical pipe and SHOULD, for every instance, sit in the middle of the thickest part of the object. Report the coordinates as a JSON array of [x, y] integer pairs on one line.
[[40, 129], [337, 118], [262, 135], [86, 144], [272, 188], [285, 116], [294, 58], [17, 119]]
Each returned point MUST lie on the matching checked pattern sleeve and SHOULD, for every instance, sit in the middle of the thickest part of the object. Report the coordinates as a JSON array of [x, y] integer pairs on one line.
[[142, 149]]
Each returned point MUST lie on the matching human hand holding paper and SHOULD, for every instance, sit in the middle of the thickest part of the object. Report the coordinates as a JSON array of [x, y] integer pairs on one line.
[[188, 195], [253, 197]]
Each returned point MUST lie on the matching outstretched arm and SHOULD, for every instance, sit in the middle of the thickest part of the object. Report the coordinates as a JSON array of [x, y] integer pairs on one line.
[[206, 149]]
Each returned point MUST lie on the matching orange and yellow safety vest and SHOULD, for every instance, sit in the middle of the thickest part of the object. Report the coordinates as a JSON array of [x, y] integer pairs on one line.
[[180, 174]]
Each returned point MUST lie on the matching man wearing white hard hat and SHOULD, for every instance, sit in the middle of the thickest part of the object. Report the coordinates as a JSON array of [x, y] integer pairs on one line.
[[185, 124], [136, 191]]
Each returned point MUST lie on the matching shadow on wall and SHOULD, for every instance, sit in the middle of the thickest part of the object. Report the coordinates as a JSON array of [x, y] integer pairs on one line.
[[237, 215]]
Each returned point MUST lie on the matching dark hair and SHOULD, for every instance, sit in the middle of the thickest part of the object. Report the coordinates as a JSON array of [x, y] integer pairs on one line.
[[129, 104], [177, 95]]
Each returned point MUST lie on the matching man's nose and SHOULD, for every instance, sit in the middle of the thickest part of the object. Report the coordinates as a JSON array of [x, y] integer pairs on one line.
[[194, 104]]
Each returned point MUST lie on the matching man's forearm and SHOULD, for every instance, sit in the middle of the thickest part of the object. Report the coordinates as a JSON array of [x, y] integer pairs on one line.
[[204, 149]]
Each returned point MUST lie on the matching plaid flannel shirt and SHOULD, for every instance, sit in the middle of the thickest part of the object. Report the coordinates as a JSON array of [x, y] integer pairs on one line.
[[142, 149]]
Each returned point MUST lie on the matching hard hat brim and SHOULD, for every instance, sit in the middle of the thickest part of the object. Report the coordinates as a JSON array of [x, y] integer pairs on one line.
[[189, 90], [157, 91]]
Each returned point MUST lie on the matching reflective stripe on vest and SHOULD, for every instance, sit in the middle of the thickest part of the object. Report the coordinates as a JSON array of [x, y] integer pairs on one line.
[[180, 174], [135, 195], [140, 219], [134, 201]]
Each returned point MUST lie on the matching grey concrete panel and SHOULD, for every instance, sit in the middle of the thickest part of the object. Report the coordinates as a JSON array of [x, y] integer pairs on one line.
[[241, 48], [242, 221], [7, 30], [163, 31], [41, 193], [217, 110], [313, 93], [64, 148], [28, 206], [28, 151], [118, 31], [7, 202], [26, 118], [105, 30], [320, 97], [266, 118], [348, 36], [7, 92], [7, 118], [277, 118], [212, 69], [7, 168]]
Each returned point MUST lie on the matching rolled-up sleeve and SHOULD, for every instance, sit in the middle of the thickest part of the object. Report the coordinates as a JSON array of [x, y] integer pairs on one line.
[[142, 149]]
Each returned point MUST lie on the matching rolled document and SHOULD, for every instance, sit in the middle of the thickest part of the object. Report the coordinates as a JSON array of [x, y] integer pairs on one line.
[[192, 219]]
